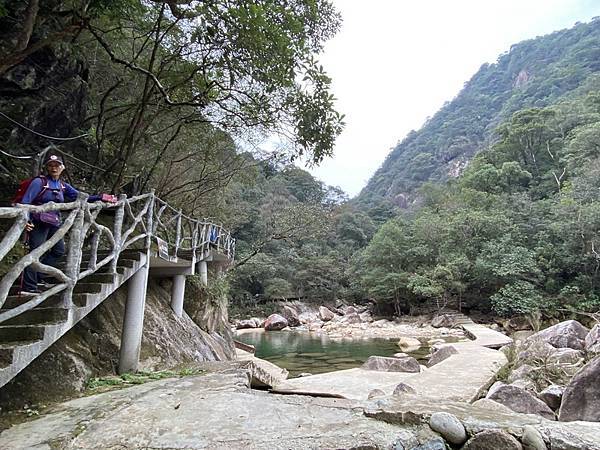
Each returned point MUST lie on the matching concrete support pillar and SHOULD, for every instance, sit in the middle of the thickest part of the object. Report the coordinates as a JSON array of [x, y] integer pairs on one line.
[[203, 271], [177, 294], [133, 321]]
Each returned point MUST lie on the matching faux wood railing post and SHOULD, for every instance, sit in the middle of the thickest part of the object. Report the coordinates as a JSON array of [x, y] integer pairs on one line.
[[117, 230], [75, 250], [178, 233]]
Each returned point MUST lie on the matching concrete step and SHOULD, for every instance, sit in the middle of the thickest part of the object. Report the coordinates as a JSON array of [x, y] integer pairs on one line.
[[39, 316], [12, 334], [99, 278], [87, 288], [13, 301]]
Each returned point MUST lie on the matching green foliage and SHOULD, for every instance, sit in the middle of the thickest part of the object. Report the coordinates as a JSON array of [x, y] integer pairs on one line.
[[517, 233], [141, 377], [534, 74]]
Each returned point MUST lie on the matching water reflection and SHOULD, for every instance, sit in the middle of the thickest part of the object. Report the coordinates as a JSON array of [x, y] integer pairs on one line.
[[300, 352]]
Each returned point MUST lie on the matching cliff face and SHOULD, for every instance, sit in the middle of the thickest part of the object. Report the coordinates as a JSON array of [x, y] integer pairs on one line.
[[91, 348], [535, 73]]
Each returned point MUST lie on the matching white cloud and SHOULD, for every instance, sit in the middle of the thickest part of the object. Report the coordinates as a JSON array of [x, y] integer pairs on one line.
[[394, 63]]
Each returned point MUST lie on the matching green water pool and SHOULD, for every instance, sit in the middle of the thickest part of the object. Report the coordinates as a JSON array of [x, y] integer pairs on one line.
[[304, 352]]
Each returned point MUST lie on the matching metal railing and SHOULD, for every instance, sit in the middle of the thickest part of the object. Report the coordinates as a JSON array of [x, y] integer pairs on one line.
[[107, 229]]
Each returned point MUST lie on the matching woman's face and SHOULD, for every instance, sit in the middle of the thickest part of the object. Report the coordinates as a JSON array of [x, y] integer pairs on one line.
[[55, 169]]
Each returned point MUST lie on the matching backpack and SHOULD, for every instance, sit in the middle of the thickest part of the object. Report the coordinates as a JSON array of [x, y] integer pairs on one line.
[[24, 185]]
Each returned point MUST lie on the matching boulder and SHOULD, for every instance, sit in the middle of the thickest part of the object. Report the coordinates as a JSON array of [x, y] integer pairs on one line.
[[442, 320], [534, 352], [441, 354], [449, 427], [492, 439], [581, 398], [351, 318], [385, 364], [519, 400], [403, 388], [348, 310], [291, 315], [523, 372], [552, 396], [592, 340], [246, 324], [486, 403], [436, 443], [325, 314], [375, 393], [532, 439], [566, 356], [275, 322], [408, 344], [526, 384], [567, 334]]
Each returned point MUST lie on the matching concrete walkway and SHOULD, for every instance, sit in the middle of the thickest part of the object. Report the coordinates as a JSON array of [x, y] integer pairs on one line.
[[461, 377]]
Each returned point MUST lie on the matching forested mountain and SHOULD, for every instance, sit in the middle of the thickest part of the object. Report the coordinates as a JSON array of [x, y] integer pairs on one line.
[[534, 73]]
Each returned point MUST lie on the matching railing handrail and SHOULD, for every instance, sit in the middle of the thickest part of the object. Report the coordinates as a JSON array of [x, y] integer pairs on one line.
[[137, 219]]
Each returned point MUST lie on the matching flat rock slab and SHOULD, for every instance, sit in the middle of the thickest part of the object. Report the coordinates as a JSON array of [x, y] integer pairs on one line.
[[350, 383], [462, 377], [415, 410], [485, 336], [215, 411], [262, 373]]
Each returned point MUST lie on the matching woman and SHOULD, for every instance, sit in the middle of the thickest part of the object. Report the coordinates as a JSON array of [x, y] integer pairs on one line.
[[42, 226]]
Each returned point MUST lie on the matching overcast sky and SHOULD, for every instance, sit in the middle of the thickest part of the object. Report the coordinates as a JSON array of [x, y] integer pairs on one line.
[[394, 63]]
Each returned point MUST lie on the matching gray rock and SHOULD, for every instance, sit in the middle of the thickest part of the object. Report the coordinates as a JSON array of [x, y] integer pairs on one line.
[[432, 444], [533, 351], [488, 404], [376, 393], [245, 324], [492, 439], [325, 314], [494, 387], [532, 439], [443, 320], [351, 318], [408, 343], [441, 354], [403, 388], [552, 396], [275, 322], [449, 427], [384, 364], [566, 356], [592, 340], [291, 315], [525, 384], [520, 373], [567, 334], [519, 400], [581, 398], [400, 355]]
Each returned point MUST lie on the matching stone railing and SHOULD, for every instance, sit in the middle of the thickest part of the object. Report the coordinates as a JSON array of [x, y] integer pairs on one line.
[[106, 229]]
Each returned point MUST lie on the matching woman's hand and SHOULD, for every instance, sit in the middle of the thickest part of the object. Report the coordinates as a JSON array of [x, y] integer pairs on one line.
[[29, 226]]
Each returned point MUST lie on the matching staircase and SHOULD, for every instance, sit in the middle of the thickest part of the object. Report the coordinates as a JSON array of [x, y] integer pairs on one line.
[[25, 337], [174, 244]]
